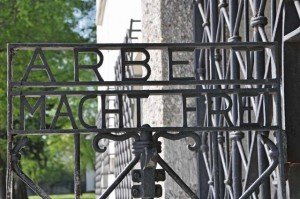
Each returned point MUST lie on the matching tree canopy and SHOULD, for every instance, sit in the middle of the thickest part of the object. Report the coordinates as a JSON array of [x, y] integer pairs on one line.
[[31, 21]]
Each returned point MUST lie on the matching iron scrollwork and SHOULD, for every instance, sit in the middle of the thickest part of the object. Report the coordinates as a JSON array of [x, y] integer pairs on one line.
[[16, 158], [146, 149], [181, 135], [110, 136]]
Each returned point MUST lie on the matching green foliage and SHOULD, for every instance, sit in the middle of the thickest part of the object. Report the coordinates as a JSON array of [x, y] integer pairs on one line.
[[68, 196], [43, 162], [37, 21], [49, 157]]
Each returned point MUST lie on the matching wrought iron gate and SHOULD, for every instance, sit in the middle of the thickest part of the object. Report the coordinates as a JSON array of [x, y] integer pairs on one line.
[[234, 160], [237, 85], [146, 146]]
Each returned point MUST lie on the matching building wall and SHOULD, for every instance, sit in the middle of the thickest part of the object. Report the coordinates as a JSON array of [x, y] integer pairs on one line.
[[112, 27], [113, 19]]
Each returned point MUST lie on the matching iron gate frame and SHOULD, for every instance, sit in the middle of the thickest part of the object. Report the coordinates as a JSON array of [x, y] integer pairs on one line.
[[208, 10], [139, 132]]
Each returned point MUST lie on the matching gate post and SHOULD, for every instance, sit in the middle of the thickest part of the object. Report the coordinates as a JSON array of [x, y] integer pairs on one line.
[[148, 149]]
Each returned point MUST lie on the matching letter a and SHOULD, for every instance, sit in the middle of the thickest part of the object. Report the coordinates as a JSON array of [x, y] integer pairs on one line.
[[68, 113], [43, 66]]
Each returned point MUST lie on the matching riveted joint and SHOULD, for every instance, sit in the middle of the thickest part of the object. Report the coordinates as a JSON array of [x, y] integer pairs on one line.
[[205, 24], [218, 56], [259, 21], [221, 139], [227, 182], [136, 175], [135, 191], [237, 135], [223, 4], [210, 182], [138, 192], [234, 38]]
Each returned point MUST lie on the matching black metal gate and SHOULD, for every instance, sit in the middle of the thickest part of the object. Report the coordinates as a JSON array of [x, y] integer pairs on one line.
[[237, 85], [234, 160]]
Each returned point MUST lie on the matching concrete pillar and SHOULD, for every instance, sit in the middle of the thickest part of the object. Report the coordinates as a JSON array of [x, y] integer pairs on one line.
[[168, 21]]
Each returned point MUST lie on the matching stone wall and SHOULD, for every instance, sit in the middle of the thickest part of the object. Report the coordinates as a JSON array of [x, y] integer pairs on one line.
[[104, 167], [166, 21]]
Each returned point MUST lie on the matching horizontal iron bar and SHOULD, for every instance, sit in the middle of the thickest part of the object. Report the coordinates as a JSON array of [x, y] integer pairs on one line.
[[137, 129], [147, 83], [144, 92], [116, 46]]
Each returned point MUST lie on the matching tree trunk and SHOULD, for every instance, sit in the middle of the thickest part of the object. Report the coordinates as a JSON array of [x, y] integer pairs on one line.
[[20, 189], [2, 183], [2, 176]]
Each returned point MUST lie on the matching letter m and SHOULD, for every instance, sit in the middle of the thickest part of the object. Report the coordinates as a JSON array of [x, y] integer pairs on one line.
[[40, 103]]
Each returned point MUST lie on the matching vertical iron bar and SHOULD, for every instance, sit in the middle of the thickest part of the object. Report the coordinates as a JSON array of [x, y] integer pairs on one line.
[[9, 174], [249, 76], [214, 135], [148, 173], [234, 74], [273, 14], [77, 181], [236, 170], [248, 67], [222, 188], [226, 146], [200, 103], [246, 20], [259, 70], [279, 54]]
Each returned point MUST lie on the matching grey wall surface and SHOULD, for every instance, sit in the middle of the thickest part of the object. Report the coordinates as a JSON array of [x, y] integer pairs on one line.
[[169, 21]]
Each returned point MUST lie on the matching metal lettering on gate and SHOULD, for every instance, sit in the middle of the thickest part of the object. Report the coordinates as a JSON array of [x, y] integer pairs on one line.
[[254, 97]]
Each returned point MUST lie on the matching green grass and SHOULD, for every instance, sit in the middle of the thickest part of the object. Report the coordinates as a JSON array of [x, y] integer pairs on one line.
[[67, 196]]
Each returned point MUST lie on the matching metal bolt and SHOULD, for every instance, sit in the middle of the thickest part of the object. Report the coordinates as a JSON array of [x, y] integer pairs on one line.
[[135, 192], [136, 175], [158, 191], [159, 175]]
